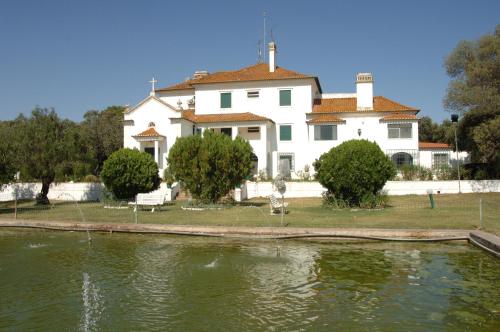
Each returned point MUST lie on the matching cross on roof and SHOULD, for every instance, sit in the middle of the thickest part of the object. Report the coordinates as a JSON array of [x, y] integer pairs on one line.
[[153, 81]]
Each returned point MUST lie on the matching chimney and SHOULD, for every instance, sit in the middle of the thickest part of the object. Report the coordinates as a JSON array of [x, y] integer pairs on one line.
[[364, 91], [199, 74], [272, 57]]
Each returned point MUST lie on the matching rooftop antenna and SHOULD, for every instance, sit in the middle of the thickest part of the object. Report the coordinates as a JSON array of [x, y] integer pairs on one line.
[[259, 51], [272, 37], [265, 45]]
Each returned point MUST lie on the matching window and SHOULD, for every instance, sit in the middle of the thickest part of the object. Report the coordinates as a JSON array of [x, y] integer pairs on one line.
[[286, 164], [325, 132], [402, 159], [227, 131], [285, 133], [285, 97], [439, 160], [252, 94], [399, 130], [225, 100], [253, 129], [198, 131]]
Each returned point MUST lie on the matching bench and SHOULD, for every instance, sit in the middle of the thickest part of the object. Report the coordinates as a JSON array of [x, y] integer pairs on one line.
[[276, 205], [150, 200]]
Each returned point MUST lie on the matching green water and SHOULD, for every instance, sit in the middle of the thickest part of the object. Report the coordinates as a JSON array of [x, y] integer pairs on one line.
[[59, 282]]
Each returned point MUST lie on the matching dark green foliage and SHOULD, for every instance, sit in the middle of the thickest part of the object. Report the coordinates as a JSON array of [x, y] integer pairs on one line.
[[41, 147], [102, 132], [428, 131], [129, 172], [415, 173], [474, 91], [8, 167], [354, 172], [209, 166]]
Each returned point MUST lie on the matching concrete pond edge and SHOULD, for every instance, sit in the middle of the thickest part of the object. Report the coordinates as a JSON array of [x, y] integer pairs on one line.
[[486, 241]]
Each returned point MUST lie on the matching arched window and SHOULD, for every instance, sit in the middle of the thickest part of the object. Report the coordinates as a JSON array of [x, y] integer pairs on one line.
[[402, 159]]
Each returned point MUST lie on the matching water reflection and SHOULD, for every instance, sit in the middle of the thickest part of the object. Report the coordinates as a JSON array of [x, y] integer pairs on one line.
[[137, 282]]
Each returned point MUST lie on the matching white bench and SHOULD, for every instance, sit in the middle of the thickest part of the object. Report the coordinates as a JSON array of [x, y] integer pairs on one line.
[[276, 205], [150, 200]]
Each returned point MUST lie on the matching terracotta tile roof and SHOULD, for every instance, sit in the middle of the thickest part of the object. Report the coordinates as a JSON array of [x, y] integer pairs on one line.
[[322, 118], [228, 117], [150, 132], [432, 145], [399, 116], [258, 72], [344, 105]]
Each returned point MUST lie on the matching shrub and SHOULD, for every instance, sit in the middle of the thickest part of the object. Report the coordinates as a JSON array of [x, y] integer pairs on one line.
[[354, 172], [415, 173], [209, 166], [91, 178], [127, 173]]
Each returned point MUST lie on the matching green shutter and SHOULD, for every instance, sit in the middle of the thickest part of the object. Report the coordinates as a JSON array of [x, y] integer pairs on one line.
[[225, 100], [285, 97], [285, 133]]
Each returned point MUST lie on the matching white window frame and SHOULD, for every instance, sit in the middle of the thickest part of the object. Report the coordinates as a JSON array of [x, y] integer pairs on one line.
[[334, 133], [405, 124], [279, 97]]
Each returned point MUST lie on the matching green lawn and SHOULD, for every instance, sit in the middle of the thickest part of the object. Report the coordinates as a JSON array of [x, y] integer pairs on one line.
[[451, 212]]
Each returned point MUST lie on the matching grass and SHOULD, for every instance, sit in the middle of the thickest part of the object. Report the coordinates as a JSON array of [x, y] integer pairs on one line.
[[412, 211]]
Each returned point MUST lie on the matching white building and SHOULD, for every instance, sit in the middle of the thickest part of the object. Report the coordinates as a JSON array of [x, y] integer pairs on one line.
[[285, 115]]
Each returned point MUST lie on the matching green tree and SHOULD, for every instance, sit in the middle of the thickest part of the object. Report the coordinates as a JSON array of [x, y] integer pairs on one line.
[[426, 129], [103, 134], [128, 172], [209, 166], [354, 172], [474, 91], [8, 167], [40, 147]]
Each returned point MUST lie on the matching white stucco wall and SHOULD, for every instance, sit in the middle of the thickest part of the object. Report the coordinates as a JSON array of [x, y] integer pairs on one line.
[[314, 189]]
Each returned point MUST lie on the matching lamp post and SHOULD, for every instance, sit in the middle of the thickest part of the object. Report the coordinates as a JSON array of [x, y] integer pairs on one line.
[[454, 119]]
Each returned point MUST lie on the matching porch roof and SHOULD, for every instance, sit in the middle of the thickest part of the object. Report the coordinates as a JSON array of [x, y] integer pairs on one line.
[[398, 117], [325, 118], [149, 133], [225, 117]]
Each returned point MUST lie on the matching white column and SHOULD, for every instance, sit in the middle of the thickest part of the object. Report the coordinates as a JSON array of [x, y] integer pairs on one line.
[[264, 144], [234, 132], [156, 153]]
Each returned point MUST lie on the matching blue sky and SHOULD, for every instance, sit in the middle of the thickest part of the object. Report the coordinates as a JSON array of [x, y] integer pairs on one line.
[[81, 55]]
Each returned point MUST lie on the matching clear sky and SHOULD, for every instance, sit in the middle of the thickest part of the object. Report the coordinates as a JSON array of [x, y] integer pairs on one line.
[[81, 55]]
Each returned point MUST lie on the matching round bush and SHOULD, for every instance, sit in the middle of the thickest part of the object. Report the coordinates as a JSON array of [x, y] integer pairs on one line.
[[209, 166], [128, 172], [354, 172]]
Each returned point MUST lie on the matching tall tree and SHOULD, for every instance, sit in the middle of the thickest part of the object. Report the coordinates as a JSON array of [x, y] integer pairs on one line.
[[474, 91], [7, 155], [103, 133], [41, 147]]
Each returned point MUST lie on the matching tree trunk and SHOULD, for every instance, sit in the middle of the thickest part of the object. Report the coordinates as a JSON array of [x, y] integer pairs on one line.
[[41, 198]]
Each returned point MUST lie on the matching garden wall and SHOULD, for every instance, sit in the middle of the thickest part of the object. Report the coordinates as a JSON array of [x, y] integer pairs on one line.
[[314, 189], [68, 191]]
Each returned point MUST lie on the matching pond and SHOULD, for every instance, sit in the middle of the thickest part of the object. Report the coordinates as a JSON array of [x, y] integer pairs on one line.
[[55, 280]]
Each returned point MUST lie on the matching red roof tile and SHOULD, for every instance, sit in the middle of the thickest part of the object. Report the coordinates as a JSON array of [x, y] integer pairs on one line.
[[224, 117], [258, 72], [324, 118], [432, 145], [150, 132], [399, 116], [344, 105]]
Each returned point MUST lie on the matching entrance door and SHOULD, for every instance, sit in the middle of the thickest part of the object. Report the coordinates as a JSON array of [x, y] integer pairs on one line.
[[151, 151]]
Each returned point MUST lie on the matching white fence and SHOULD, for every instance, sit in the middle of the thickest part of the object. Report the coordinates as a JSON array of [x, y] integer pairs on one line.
[[69, 191], [314, 189]]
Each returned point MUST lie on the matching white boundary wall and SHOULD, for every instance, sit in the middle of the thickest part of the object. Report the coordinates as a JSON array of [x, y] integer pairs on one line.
[[69, 191], [314, 189]]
